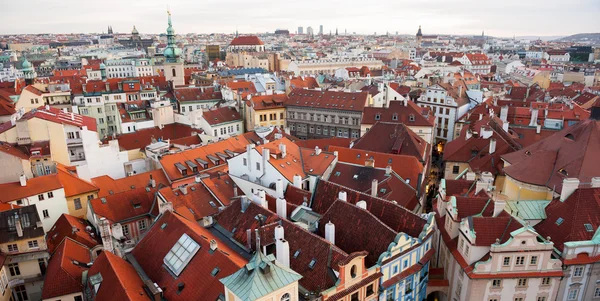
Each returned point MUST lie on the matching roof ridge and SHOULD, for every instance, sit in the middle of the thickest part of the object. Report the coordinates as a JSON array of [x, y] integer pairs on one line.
[[110, 262]]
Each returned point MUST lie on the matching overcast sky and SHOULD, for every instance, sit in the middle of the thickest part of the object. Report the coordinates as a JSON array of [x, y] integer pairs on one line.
[[498, 18]]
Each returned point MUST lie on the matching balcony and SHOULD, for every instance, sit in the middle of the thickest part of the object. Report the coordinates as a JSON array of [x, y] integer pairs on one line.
[[75, 141]]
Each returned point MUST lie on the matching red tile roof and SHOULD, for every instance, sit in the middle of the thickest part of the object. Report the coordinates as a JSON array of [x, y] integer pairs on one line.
[[488, 229], [196, 202], [110, 186], [38, 185], [306, 82], [68, 226], [58, 116], [216, 116], [324, 143], [334, 100], [72, 184], [398, 113], [191, 94], [63, 274], [246, 40], [125, 205], [198, 282], [580, 208], [395, 138], [267, 102], [13, 151], [142, 138], [120, 281], [569, 153]]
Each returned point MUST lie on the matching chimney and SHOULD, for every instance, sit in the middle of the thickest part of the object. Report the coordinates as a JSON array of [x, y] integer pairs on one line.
[[281, 208], [282, 248], [534, 117], [107, 86], [538, 128], [183, 189], [298, 181], [18, 225], [342, 196], [468, 134], [505, 126], [23, 180], [596, 182], [485, 133], [388, 170], [262, 198], [370, 162], [152, 182], [317, 150], [569, 186], [504, 113], [279, 188], [213, 245], [283, 150], [374, 185], [330, 232], [266, 154], [405, 101], [335, 153], [279, 232], [480, 116], [245, 202], [84, 88], [492, 145], [164, 207], [499, 205]]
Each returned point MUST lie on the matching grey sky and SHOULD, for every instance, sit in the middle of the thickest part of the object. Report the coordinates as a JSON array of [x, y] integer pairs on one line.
[[497, 18]]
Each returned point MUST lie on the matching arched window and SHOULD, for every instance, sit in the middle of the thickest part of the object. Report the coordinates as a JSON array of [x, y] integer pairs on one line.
[[353, 271], [174, 72], [285, 297]]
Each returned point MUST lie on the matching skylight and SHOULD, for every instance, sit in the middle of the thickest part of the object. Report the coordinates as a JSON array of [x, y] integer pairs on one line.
[[312, 263], [181, 254], [559, 221], [297, 253], [589, 227], [215, 271]]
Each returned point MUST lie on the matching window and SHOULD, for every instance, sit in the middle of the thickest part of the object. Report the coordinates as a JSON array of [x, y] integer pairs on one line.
[[597, 292], [181, 254], [541, 298], [285, 297], [496, 283], [506, 261], [45, 213], [354, 297], [21, 293], [14, 269], [257, 165], [522, 282], [467, 250], [50, 194], [546, 281], [578, 272], [519, 299], [40, 197], [533, 260], [455, 169], [32, 244], [520, 260], [78, 298], [573, 294], [245, 162], [370, 290], [458, 288], [125, 229], [77, 203], [142, 224], [13, 248]]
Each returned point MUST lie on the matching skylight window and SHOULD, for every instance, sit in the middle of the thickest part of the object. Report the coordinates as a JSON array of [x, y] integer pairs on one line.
[[312, 263], [297, 253], [559, 221], [337, 173], [215, 271], [589, 227], [181, 254]]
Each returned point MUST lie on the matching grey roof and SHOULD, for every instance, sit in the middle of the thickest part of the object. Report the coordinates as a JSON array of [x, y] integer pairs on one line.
[[527, 209], [260, 277], [29, 221]]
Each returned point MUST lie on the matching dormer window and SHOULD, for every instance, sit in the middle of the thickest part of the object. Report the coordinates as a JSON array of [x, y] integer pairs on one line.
[[395, 116], [377, 116], [411, 117]]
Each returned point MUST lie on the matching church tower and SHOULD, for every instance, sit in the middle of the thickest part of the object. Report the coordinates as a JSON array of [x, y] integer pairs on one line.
[[173, 63], [419, 37], [28, 72]]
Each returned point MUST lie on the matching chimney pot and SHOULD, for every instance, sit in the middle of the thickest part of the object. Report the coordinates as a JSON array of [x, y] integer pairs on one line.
[[342, 196]]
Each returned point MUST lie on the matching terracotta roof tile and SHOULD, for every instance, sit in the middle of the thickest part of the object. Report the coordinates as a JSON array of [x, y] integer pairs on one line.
[[395, 138], [334, 100], [110, 186], [125, 205], [63, 274], [221, 115], [246, 40], [120, 281], [68, 226], [38, 185]]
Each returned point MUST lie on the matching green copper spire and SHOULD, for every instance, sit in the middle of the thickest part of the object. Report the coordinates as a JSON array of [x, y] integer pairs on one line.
[[171, 53]]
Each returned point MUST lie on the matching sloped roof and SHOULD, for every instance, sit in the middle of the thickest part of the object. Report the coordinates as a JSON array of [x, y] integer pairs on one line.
[[68, 226], [120, 281], [110, 186], [142, 138], [125, 205], [410, 115], [246, 40], [63, 274], [220, 115], [196, 277], [72, 184], [570, 153], [488, 229], [198, 201], [396, 138], [333, 100], [38, 185], [261, 276], [580, 208]]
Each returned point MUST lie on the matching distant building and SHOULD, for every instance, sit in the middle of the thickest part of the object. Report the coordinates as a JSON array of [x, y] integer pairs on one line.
[[300, 30], [282, 32], [320, 30], [309, 31], [246, 43]]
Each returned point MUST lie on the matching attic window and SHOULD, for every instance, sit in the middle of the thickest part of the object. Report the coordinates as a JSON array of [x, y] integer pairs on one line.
[[589, 227], [337, 173], [527, 153], [559, 221], [563, 172], [395, 116], [137, 205], [297, 253], [382, 190], [570, 137], [411, 117], [215, 271], [390, 161], [103, 200], [377, 116], [311, 264], [355, 177], [181, 254], [212, 204]]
